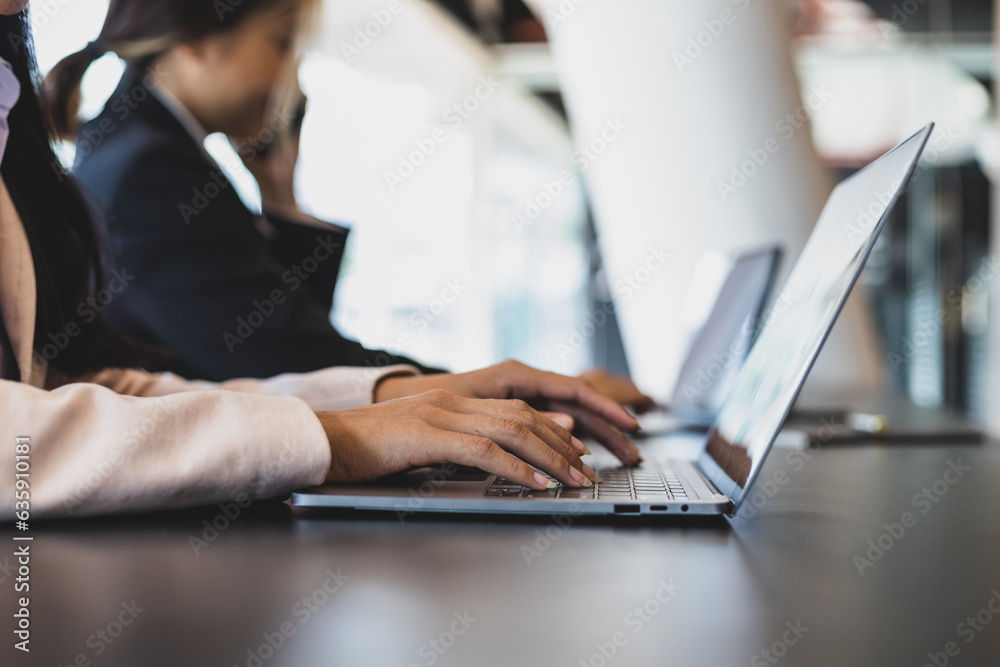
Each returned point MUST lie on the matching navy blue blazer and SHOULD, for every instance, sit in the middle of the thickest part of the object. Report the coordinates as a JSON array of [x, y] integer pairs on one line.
[[226, 293]]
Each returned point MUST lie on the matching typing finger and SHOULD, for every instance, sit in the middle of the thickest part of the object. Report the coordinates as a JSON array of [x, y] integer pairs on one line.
[[603, 432]]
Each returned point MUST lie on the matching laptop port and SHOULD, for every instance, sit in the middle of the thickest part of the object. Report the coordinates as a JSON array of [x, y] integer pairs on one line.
[[626, 509], [657, 508], [684, 508]]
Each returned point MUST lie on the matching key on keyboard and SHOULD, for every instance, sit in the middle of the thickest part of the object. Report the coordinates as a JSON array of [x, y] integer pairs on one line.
[[648, 482]]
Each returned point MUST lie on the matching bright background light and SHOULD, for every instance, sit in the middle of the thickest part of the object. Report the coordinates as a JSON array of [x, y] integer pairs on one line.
[[447, 233]]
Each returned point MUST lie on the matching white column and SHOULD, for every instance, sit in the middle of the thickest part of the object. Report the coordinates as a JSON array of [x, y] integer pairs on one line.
[[705, 90]]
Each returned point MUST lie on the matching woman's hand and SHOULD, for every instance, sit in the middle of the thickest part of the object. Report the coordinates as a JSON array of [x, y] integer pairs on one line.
[[501, 437], [273, 165], [619, 389], [597, 414]]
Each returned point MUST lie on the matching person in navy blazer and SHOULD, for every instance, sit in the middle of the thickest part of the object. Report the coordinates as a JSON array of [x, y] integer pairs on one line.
[[226, 292]]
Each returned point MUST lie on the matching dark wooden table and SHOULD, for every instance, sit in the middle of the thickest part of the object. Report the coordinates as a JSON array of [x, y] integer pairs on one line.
[[781, 583]]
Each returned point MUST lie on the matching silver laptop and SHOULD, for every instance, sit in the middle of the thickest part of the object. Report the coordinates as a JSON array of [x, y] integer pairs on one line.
[[720, 347], [716, 477]]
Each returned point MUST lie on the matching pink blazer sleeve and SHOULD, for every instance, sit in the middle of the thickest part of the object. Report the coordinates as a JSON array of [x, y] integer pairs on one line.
[[170, 443]]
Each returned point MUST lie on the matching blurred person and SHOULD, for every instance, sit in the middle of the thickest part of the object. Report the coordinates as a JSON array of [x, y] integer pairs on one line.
[[228, 293], [97, 438]]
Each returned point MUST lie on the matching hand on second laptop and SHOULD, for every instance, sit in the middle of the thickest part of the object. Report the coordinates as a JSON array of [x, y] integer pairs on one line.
[[600, 416], [619, 389], [499, 436]]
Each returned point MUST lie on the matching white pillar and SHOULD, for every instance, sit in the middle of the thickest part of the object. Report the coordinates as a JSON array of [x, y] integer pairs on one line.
[[704, 89]]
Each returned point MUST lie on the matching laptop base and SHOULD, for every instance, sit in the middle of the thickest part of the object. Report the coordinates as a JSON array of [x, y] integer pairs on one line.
[[685, 492]]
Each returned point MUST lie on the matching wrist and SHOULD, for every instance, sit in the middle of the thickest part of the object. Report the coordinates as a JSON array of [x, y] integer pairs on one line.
[[333, 428], [279, 200], [274, 195], [397, 386]]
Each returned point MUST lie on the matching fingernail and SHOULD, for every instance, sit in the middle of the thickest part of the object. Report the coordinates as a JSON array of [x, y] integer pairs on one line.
[[634, 450], [589, 472], [578, 477], [544, 481], [580, 447]]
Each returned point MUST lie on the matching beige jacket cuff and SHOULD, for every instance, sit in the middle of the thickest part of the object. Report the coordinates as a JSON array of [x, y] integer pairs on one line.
[[140, 442], [95, 452]]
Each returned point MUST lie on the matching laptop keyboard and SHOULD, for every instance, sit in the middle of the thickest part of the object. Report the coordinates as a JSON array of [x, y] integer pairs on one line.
[[647, 482]]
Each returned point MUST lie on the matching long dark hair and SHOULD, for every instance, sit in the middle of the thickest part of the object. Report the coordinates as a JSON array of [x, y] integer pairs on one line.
[[65, 247], [139, 31]]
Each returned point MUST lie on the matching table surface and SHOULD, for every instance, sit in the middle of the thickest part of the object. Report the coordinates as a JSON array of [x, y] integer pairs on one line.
[[446, 590]]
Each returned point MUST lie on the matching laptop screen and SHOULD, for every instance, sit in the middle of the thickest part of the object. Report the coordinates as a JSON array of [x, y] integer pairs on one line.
[[723, 342], [794, 329]]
